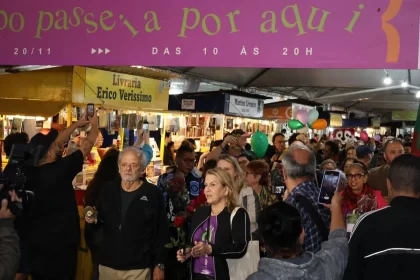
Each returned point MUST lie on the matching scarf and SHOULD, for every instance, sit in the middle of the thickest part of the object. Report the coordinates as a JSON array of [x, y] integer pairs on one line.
[[350, 199]]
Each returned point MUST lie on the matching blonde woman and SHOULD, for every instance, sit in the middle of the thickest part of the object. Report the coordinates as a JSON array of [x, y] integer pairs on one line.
[[247, 197], [213, 236]]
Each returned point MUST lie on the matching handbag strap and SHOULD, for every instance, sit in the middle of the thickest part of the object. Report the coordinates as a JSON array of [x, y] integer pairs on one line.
[[232, 215], [314, 216]]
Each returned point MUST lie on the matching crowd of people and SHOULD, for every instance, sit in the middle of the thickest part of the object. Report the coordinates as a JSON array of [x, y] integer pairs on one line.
[[205, 211]]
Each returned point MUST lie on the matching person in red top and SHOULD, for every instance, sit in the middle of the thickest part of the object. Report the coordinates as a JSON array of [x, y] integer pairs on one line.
[[357, 176]]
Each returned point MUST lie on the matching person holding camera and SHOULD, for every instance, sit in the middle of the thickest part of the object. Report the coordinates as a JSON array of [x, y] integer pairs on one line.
[[54, 222], [9, 241]]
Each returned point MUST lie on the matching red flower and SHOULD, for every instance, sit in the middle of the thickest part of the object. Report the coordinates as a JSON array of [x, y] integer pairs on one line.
[[201, 199], [190, 209], [176, 184], [179, 221]]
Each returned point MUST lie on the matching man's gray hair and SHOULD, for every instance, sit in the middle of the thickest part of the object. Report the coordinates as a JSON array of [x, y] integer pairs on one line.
[[138, 152], [296, 170]]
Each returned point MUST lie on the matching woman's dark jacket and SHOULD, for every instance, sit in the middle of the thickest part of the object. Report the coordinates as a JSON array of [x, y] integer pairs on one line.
[[229, 243]]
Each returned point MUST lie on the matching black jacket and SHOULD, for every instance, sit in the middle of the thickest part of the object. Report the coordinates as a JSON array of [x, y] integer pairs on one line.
[[137, 240], [53, 222], [385, 244], [229, 243]]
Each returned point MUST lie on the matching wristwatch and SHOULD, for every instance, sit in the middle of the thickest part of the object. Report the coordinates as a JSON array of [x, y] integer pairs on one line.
[[160, 266]]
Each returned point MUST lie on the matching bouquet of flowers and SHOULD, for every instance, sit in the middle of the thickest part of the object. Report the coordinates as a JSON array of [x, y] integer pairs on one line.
[[366, 204], [182, 208]]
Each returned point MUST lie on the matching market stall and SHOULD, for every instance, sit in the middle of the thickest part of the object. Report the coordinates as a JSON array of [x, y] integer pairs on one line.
[[213, 114], [124, 101], [29, 99]]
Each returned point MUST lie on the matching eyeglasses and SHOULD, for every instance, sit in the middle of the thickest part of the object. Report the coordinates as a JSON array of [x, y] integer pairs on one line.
[[188, 160], [354, 176], [243, 162]]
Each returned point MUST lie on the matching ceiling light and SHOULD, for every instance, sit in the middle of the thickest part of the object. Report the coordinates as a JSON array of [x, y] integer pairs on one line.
[[175, 91], [404, 84], [387, 80], [418, 94]]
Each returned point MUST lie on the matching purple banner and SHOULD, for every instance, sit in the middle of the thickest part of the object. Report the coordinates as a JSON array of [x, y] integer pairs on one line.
[[219, 33]]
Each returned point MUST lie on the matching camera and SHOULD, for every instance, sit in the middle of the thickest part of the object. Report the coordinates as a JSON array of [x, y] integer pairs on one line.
[[22, 158]]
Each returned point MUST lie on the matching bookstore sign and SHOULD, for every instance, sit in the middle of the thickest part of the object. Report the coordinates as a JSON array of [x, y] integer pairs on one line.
[[244, 106]]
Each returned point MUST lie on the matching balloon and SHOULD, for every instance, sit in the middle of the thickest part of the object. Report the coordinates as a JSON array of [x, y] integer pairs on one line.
[[259, 143], [319, 124], [364, 136], [313, 115], [295, 124], [302, 116], [378, 137]]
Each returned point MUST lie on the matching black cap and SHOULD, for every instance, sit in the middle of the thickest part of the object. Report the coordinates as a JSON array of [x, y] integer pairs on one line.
[[363, 151], [239, 132], [43, 140]]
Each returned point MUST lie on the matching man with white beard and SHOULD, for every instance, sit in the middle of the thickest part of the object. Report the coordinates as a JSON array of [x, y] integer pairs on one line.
[[133, 216]]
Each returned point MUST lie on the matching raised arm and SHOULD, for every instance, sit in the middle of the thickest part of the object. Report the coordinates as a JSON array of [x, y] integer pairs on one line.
[[143, 143], [64, 136], [215, 154], [90, 139]]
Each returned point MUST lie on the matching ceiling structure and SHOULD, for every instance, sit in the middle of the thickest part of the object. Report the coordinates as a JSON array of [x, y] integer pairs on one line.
[[327, 86], [349, 89]]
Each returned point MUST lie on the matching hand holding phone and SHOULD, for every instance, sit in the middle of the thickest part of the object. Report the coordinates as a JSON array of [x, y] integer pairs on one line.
[[329, 185]]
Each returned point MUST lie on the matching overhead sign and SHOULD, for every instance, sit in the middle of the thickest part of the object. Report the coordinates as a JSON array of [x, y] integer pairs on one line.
[[244, 106], [404, 115], [283, 113], [336, 120], [289, 34], [188, 104], [121, 91]]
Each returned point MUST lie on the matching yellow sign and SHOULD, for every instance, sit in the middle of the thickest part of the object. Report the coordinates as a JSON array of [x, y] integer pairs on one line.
[[125, 91], [404, 115], [336, 120]]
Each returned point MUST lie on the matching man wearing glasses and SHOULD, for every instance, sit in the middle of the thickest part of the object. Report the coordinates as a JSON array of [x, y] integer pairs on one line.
[[182, 177]]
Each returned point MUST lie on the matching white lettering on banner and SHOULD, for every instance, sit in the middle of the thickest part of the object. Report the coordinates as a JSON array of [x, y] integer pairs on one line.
[[297, 51], [166, 51], [246, 107]]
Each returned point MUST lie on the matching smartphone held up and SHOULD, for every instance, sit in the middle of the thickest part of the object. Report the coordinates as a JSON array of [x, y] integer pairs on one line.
[[145, 126], [329, 185], [90, 111], [278, 190]]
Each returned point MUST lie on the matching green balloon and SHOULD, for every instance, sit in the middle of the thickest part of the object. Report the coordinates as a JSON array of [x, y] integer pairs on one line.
[[295, 124], [259, 144]]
